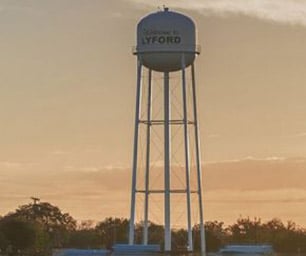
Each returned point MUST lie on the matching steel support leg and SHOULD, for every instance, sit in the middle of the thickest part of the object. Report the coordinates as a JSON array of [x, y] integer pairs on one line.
[[198, 162], [187, 162], [135, 153]]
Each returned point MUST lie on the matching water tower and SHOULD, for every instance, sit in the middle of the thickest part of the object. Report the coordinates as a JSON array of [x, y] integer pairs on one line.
[[166, 46]]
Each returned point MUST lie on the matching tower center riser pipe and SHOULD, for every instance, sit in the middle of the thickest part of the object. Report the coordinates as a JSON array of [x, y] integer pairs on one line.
[[167, 154]]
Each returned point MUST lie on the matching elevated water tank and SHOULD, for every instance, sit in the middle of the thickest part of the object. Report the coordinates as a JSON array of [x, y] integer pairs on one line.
[[163, 38]]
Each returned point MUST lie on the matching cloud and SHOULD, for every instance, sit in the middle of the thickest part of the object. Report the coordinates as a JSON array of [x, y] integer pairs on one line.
[[16, 165], [248, 173], [250, 158], [10, 164], [213, 136], [256, 174], [291, 195], [17, 7], [283, 11], [60, 152], [298, 135]]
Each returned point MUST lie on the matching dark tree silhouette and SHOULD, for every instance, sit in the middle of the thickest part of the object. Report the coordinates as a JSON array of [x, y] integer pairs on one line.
[[84, 239], [46, 214], [112, 230], [246, 230], [56, 224], [20, 234], [38, 227]]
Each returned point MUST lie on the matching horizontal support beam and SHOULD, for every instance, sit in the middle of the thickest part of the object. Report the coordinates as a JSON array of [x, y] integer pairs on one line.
[[161, 191], [161, 122]]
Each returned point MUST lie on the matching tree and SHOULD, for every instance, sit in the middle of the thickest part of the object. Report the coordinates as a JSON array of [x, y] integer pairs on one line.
[[84, 239], [155, 233], [85, 236], [55, 223], [18, 233], [4, 243], [47, 214], [179, 239], [285, 238], [112, 230], [215, 235], [246, 230]]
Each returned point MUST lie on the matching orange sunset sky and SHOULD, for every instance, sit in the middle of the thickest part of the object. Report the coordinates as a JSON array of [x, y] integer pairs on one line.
[[67, 96]]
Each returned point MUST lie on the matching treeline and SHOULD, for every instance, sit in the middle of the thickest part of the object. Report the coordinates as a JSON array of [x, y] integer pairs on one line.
[[37, 228]]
